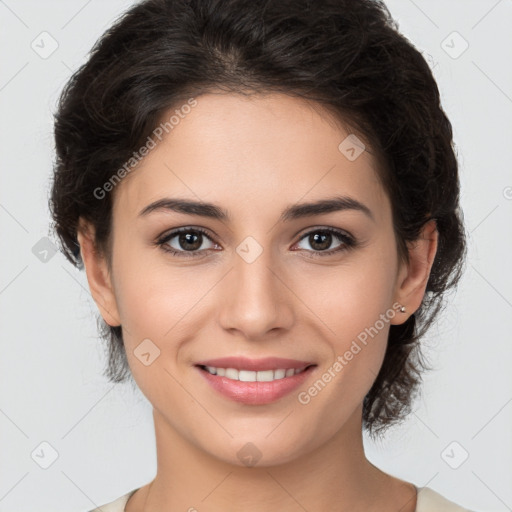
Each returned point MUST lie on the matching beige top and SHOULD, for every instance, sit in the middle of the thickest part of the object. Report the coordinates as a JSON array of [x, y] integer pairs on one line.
[[428, 501]]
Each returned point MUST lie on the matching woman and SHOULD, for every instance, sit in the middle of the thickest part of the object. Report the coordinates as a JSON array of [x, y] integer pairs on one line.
[[265, 198]]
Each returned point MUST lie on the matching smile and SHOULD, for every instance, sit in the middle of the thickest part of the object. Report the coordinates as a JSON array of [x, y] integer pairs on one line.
[[254, 387], [253, 376]]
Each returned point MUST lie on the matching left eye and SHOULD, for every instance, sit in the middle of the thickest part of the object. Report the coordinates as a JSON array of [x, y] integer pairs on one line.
[[190, 240], [322, 239]]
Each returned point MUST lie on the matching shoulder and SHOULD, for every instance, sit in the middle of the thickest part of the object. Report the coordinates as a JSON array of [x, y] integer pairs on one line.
[[116, 505], [431, 501], [428, 501]]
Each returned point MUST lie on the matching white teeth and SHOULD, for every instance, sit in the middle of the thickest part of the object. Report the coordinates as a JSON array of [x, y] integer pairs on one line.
[[246, 376], [265, 376], [253, 376], [231, 373], [279, 374]]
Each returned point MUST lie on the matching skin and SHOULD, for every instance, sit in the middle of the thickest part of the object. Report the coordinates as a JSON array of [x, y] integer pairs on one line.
[[254, 156]]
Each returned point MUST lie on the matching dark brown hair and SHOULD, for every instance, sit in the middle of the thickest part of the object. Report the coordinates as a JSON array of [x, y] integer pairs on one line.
[[346, 55]]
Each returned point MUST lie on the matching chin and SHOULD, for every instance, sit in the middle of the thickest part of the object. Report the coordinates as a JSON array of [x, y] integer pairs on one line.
[[259, 451]]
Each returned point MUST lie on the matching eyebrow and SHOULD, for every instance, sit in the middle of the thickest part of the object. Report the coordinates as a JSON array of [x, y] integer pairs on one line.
[[292, 212]]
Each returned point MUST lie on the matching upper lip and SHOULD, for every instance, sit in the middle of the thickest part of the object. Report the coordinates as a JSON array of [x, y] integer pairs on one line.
[[244, 363]]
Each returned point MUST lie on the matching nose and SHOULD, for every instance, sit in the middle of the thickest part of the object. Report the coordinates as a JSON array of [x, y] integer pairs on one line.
[[256, 298]]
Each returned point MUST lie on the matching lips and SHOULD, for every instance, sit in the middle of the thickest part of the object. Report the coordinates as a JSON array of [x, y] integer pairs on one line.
[[255, 391], [244, 363]]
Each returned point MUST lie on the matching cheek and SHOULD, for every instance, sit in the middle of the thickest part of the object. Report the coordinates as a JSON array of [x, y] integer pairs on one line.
[[357, 352], [351, 297], [154, 304], [354, 302], [159, 301]]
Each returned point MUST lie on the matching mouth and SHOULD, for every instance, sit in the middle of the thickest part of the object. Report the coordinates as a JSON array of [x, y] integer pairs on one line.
[[254, 376], [255, 382]]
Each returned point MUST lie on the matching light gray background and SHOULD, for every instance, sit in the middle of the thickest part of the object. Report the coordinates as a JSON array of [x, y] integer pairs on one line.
[[51, 387]]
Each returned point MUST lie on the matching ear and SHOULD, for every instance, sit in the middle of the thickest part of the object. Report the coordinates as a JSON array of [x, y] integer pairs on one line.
[[413, 276], [98, 275]]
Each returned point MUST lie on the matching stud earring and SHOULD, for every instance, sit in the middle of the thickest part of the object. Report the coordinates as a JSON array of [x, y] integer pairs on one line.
[[402, 309]]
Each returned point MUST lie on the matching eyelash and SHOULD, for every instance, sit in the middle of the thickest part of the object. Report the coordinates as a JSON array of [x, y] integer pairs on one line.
[[348, 242]]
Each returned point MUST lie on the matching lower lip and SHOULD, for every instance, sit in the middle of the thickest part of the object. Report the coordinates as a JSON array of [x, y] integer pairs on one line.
[[255, 393]]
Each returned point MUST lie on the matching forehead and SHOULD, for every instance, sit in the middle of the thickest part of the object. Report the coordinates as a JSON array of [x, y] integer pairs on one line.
[[251, 154]]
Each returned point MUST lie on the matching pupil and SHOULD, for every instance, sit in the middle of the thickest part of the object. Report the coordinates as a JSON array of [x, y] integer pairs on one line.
[[323, 245], [187, 239]]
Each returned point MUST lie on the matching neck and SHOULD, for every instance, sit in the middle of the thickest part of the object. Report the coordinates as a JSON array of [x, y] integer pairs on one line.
[[334, 476]]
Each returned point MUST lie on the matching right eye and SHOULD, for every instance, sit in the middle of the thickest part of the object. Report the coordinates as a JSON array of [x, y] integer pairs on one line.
[[188, 238]]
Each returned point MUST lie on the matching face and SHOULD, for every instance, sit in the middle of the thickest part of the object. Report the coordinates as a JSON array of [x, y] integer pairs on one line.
[[314, 288]]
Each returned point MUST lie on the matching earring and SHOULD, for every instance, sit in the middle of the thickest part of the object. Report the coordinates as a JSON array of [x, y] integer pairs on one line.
[[402, 309]]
